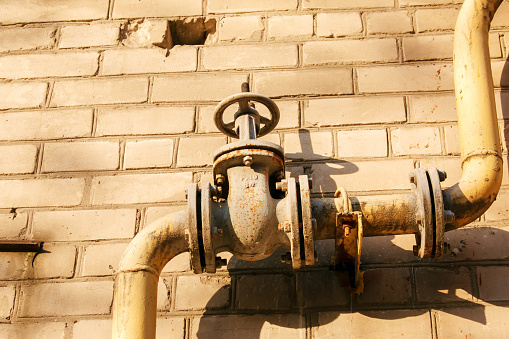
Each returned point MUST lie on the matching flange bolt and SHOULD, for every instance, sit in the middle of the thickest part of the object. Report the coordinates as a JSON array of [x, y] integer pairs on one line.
[[449, 216], [248, 160], [220, 262], [442, 175], [219, 179]]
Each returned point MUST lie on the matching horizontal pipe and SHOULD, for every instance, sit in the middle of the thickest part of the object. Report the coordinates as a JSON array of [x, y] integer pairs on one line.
[[477, 118], [382, 214], [135, 299]]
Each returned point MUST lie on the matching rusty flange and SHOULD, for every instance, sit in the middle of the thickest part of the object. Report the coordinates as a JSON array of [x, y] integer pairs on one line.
[[206, 229], [192, 232], [439, 213], [293, 216], [307, 222]]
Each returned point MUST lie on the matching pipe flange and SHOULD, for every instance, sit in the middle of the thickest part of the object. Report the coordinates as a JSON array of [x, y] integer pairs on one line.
[[293, 215], [307, 224], [438, 204], [206, 230], [192, 233], [424, 217]]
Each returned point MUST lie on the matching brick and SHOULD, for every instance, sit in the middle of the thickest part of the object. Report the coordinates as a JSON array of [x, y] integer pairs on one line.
[[180, 263], [474, 322], [101, 91], [13, 265], [499, 70], [145, 33], [405, 78], [83, 225], [290, 27], [148, 153], [435, 284], [145, 120], [432, 108], [225, 84], [22, 95], [452, 141], [362, 176], [18, 159], [149, 60], [308, 145], [304, 82], [388, 249], [241, 57], [500, 18], [346, 4], [90, 35], [478, 243], [158, 8], [492, 282], [6, 302], [373, 324], [13, 225], [451, 165], [427, 47], [435, 19], [353, 111], [80, 156], [233, 6], [422, 140], [64, 299], [393, 22], [23, 38], [198, 151], [386, 286], [264, 292], [504, 135], [202, 292], [53, 330], [244, 326], [500, 208], [46, 124], [156, 212], [311, 285], [139, 188], [41, 192], [332, 25], [362, 143], [426, 2], [49, 65], [92, 329], [240, 28], [350, 51], [57, 261], [102, 259], [170, 327], [60, 10]]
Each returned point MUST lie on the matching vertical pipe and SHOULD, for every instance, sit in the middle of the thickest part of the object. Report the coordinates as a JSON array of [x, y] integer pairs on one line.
[[477, 119]]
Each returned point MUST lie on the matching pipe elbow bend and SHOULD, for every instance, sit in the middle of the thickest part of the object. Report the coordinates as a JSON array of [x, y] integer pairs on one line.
[[156, 244]]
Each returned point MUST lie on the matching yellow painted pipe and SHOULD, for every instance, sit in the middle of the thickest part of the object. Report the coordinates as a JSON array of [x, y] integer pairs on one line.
[[477, 118], [135, 299]]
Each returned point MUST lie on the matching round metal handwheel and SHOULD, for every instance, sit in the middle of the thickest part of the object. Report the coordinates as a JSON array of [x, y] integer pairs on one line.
[[243, 99]]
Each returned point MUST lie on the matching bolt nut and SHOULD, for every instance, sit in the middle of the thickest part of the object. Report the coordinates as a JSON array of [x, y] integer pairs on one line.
[[310, 182], [286, 258], [186, 234], [347, 231], [411, 175], [442, 175], [248, 160], [220, 262], [282, 185], [449, 216], [219, 179]]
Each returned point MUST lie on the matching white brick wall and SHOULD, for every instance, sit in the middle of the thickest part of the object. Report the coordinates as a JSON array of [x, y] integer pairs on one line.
[[101, 133]]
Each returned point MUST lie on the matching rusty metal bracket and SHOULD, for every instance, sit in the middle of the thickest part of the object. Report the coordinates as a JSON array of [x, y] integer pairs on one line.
[[348, 243], [307, 221]]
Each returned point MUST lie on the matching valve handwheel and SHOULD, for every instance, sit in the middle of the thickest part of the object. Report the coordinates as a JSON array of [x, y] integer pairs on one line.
[[244, 108]]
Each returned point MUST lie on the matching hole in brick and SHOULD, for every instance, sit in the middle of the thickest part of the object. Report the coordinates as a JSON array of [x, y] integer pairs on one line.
[[166, 34]]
